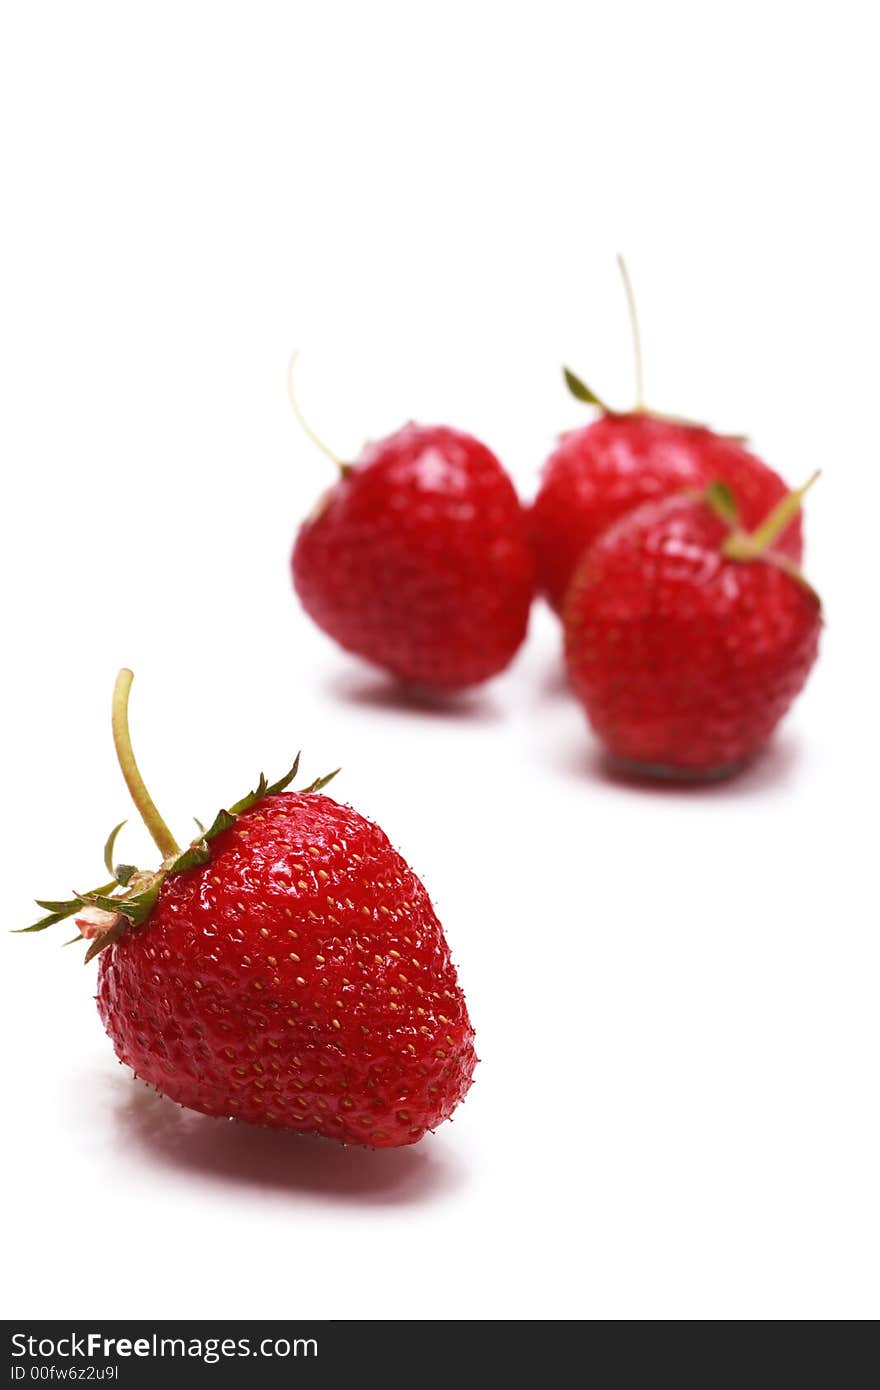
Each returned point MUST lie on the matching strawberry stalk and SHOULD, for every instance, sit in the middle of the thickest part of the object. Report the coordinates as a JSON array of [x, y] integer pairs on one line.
[[146, 807], [747, 546], [130, 896], [582, 392], [741, 545], [640, 407], [304, 424]]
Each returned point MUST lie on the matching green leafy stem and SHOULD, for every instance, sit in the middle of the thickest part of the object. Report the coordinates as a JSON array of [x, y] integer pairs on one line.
[[140, 890]]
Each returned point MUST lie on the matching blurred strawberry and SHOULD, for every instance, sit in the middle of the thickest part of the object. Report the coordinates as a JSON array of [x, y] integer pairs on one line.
[[603, 470], [686, 637], [418, 559]]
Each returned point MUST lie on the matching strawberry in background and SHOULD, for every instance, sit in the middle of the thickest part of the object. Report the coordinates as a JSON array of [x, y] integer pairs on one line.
[[603, 470], [418, 559], [687, 636]]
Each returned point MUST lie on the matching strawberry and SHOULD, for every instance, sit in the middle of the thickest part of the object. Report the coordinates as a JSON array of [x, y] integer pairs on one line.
[[418, 559], [686, 637], [607, 468], [286, 969]]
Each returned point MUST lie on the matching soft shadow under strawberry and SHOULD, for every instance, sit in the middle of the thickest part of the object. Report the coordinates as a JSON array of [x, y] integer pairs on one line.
[[774, 765], [369, 689], [226, 1151]]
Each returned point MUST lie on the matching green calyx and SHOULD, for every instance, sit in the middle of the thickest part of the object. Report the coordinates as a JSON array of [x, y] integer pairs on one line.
[[748, 546], [130, 896], [584, 393]]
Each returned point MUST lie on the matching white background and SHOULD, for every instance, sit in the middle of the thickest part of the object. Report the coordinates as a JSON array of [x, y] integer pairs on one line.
[[675, 991]]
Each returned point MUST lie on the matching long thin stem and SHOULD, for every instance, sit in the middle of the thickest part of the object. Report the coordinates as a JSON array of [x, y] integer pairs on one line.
[[162, 836], [785, 511], [636, 335], [303, 422]]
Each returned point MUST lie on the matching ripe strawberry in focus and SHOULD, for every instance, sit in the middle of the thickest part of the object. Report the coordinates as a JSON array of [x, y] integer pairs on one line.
[[418, 559], [600, 472], [686, 637], [300, 979], [287, 969]]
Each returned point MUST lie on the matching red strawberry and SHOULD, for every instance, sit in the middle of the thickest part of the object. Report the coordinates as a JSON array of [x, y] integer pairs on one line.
[[686, 638], [287, 969], [418, 559], [600, 472]]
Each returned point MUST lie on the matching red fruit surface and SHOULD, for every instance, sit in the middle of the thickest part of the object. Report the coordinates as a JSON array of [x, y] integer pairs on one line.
[[685, 661], [419, 560], [300, 980], [599, 473]]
